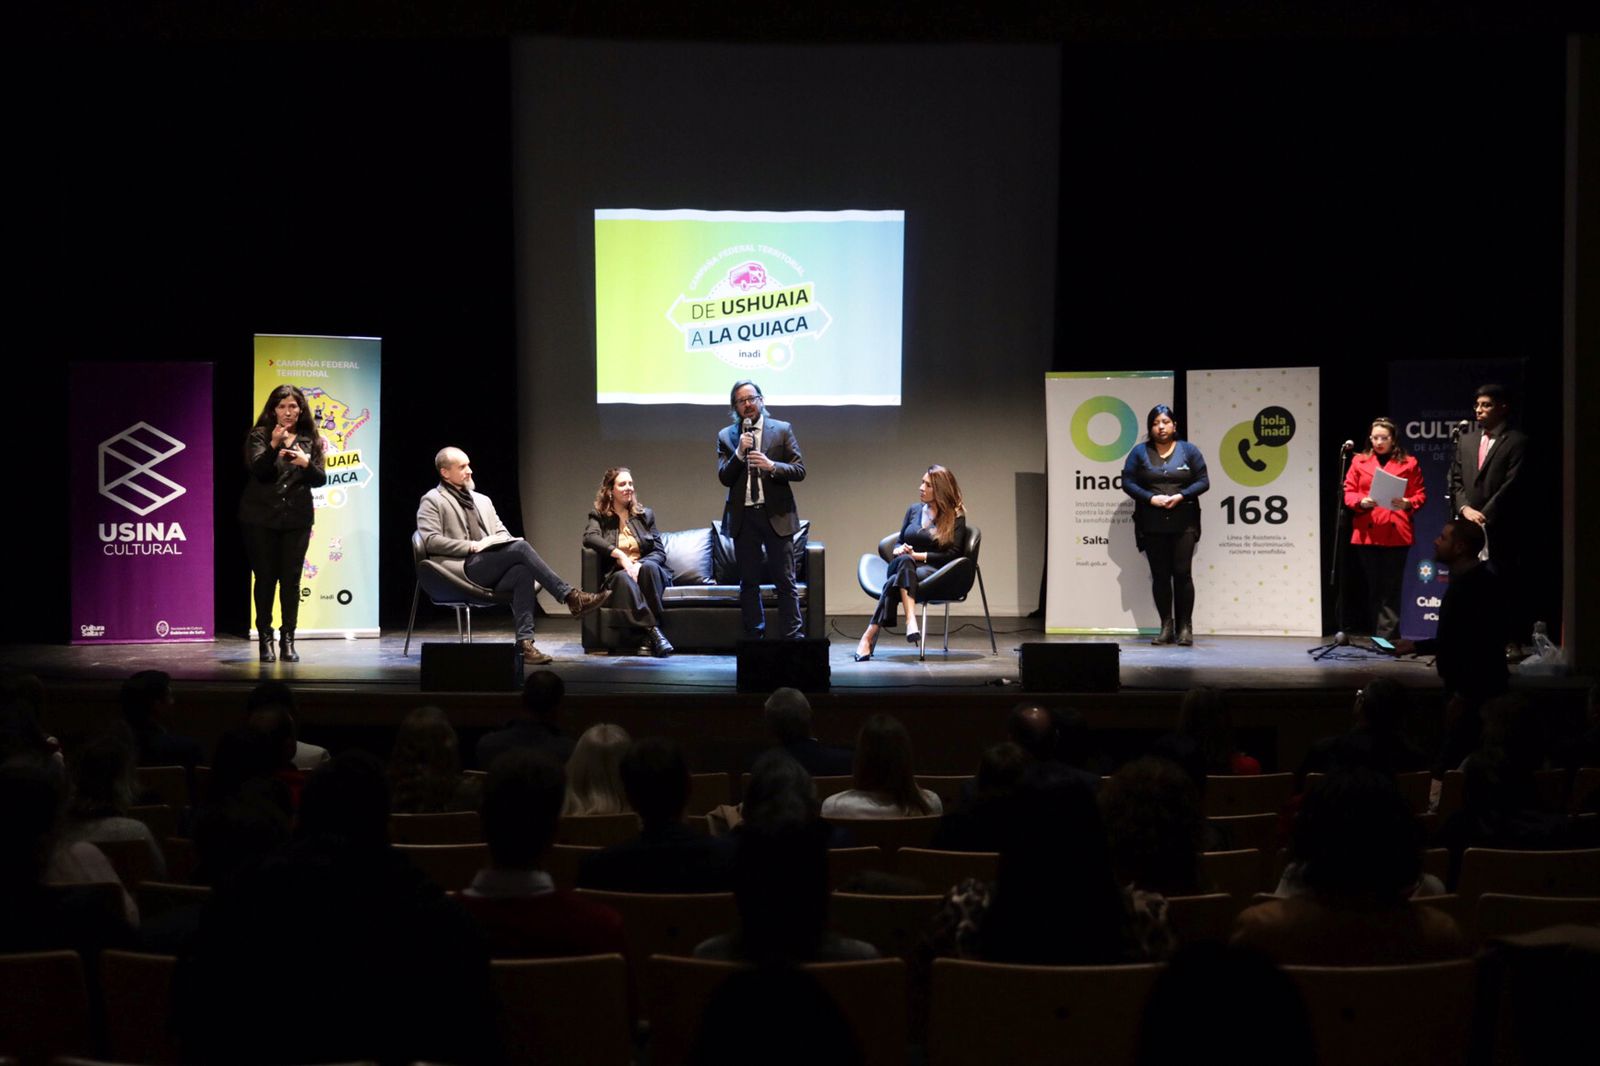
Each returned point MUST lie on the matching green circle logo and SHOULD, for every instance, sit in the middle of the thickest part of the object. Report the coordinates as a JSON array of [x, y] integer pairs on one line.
[[1128, 426], [1247, 460]]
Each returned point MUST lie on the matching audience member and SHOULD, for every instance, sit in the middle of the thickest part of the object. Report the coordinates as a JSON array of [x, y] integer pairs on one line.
[[1356, 850], [63, 861], [788, 716], [594, 772], [276, 727], [780, 886], [103, 786], [246, 761], [33, 917], [146, 701], [978, 824], [667, 856], [1059, 739], [514, 901], [537, 724], [1055, 900], [425, 767], [1204, 744], [777, 1014], [1154, 826], [20, 732], [885, 782], [278, 694], [1212, 988], [1375, 739], [377, 963]]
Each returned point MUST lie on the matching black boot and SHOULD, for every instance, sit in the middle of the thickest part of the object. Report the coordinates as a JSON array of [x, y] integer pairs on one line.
[[1185, 634], [268, 653], [660, 646], [1165, 636], [286, 650]]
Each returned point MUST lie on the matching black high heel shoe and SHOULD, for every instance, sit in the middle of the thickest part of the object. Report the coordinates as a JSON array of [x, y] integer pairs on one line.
[[870, 649]]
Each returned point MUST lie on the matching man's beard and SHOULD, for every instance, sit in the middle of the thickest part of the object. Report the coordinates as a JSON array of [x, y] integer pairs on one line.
[[469, 486]]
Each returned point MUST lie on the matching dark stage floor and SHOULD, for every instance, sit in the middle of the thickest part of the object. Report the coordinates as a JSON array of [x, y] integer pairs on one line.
[[1227, 662]]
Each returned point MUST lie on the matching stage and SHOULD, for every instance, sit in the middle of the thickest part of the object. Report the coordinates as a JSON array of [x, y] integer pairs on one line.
[[380, 664], [353, 692]]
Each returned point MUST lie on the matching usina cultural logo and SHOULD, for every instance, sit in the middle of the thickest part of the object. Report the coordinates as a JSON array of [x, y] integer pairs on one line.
[[749, 317], [127, 464]]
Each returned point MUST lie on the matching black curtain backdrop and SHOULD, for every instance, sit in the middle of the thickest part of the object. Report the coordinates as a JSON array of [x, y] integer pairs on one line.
[[1267, 203]]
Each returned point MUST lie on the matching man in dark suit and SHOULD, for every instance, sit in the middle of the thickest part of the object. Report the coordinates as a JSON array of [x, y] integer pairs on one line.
[[1485, 488], [757, 458], [1471, 639], [666, 856]]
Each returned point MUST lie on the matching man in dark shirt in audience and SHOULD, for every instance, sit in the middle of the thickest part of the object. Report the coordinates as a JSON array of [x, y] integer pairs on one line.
[[515, 903], [1038, 730], [146, 699], [667, 856], [788, 716], [538, 726], [1374, 740]]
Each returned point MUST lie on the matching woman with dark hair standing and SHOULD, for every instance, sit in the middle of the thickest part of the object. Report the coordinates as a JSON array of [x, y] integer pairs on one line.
[[1165, 476], [283, 454], [633, 559], [1381, 529], [931, 535]]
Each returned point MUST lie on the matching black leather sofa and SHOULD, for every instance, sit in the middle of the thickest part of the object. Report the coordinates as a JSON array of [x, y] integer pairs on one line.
[[703, 602]]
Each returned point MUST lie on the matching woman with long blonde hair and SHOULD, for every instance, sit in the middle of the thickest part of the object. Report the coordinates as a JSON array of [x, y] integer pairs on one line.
[[932, 535], [594, 772]]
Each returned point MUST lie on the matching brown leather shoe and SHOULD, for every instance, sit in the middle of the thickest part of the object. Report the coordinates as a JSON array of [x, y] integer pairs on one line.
[[532, 655], [581, 603]]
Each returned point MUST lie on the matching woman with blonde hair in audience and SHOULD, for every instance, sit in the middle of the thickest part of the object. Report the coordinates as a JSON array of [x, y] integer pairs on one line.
[[885, 784], [425, 767], [102, 791], [594, 772]]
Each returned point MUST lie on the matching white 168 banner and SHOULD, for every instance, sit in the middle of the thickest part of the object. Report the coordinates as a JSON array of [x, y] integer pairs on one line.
[[1258, 567]]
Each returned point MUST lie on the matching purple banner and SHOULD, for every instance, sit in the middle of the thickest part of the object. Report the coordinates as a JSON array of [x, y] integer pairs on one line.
[[1429, 399], [142, 553]]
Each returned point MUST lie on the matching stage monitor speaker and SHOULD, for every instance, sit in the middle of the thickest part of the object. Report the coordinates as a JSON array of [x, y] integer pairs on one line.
[[765, 665], [1071, 667], [471, 667]]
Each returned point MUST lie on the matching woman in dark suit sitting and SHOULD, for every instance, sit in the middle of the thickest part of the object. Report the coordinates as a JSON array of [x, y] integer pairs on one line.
[[930, 537], [633, 560]]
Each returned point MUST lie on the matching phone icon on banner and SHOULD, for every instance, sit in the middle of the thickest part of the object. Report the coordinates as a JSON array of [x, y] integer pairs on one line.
[[1258, 465]]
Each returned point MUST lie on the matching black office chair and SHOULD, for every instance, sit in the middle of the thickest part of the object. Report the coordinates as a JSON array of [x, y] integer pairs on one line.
[[446, 589], [949, 584]]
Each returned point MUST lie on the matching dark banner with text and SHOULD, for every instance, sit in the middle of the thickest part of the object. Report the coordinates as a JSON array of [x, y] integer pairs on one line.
[[1431, 401], [140, 462]]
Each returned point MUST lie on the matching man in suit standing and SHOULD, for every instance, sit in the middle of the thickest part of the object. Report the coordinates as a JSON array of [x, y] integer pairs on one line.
[[460, 524], [1484, 488], [757, 458]]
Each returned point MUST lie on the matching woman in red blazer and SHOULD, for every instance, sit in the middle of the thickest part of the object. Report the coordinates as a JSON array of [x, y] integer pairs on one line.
[[1382, 535]]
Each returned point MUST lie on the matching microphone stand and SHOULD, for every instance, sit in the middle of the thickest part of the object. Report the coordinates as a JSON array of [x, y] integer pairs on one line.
[[1339, 640]]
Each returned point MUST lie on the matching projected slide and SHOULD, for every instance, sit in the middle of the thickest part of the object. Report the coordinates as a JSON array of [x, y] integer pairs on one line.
[[808, 303]]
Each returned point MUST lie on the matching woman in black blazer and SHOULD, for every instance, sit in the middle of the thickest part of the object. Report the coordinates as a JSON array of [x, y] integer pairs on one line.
[[633, 559], [283, 453], [930, 537]]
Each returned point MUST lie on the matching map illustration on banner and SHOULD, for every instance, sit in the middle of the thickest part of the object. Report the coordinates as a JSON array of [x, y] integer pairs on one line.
[[808, 301], [1096, 580], [1257, 569], [340, 379]]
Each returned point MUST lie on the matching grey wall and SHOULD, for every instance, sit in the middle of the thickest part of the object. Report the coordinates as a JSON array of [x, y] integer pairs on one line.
[[963, 138]]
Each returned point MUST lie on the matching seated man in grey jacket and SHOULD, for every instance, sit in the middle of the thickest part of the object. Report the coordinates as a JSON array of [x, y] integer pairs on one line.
[[460, 526]]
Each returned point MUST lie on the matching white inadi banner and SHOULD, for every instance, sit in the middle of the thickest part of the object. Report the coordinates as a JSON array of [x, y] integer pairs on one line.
[[1259, 564], [1098, 582]]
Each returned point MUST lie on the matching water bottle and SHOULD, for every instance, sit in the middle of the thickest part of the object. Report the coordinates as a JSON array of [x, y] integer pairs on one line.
[[1544, 648]]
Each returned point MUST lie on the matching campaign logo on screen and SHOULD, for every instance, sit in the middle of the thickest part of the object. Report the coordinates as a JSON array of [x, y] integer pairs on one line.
[[748, 318], [127, 468]]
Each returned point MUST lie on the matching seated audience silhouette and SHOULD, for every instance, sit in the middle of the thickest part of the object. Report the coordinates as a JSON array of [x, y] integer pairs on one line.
[[885, 780], [787, 713], [537, 724], [667, 856], [594, 772], [1154, 826], [1356, 855], [515, 903], [425, 767]]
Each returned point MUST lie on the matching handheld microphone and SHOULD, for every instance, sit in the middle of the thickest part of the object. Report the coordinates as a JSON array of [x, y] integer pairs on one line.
[[1461, 426], [1347, 447]]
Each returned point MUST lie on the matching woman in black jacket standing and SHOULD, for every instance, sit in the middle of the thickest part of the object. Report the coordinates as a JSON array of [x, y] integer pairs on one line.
[[283, 454]]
